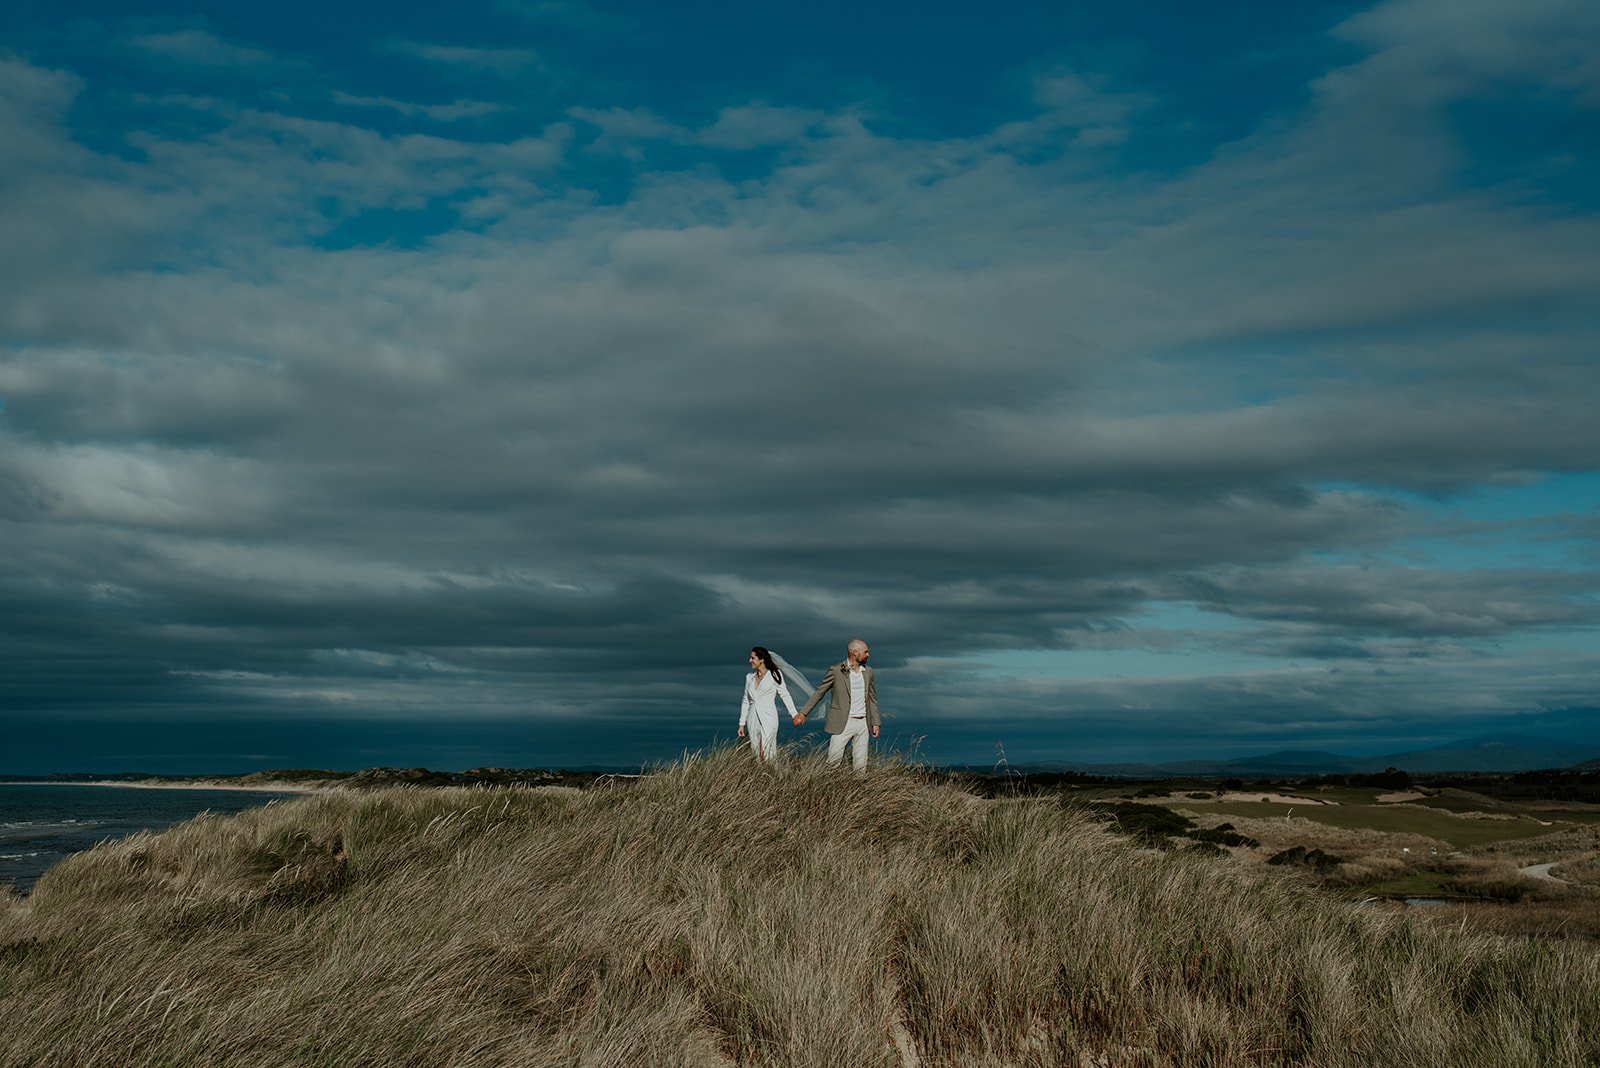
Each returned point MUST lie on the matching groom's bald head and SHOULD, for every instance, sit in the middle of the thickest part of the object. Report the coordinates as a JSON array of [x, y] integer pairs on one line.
[[857, 651]]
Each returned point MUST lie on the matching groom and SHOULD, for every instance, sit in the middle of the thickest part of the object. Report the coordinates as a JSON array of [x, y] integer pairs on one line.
[[854, 708]]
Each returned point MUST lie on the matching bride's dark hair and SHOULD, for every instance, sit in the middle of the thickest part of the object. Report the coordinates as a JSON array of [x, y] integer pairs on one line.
[[766, 658]]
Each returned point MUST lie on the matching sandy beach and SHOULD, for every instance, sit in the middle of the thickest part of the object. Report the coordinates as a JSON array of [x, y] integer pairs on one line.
[[160, 784]]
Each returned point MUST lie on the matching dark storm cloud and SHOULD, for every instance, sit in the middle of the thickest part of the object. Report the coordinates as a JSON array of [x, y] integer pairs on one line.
[[563, 460]]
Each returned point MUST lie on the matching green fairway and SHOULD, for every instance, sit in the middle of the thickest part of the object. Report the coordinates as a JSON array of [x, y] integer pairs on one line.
[[1568, 815], [1419, 884]]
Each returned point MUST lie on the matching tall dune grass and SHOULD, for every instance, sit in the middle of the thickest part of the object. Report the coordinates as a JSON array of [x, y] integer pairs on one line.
[[723, 913]]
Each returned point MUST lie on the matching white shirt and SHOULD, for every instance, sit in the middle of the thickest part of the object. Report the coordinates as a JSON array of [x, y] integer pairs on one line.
[[761, 696], [858, 692]]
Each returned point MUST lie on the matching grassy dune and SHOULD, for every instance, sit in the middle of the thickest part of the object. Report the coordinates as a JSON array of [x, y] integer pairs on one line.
[[720, 913]]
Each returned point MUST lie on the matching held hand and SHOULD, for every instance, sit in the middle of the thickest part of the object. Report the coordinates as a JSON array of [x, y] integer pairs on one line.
[[799, 719]]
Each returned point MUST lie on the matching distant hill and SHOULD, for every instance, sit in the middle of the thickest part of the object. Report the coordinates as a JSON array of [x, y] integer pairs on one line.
[[1502, 753], [1493, 753]]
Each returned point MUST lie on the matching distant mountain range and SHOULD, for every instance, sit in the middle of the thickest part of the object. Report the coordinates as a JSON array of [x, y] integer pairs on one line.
[[1502, 753]]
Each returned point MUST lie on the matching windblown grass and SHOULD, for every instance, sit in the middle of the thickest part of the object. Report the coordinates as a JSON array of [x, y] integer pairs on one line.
[[1580, 871], [724, 913]]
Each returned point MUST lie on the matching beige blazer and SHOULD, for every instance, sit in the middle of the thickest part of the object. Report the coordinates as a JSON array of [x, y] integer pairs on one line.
[[838, 680]]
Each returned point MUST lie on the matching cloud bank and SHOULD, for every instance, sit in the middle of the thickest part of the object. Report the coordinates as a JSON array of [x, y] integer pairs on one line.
[[331, 440]]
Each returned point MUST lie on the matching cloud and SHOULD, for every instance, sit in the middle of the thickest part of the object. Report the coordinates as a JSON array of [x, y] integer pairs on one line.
[[759, 125], [201, 48], [1406, 601], [1439, 50], [33, 103], [632, 408], [460, 109], [142, 487], [619, 127], [500, 61], [1073, 112]]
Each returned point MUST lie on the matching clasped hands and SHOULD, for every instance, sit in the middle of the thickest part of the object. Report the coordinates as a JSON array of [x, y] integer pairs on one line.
[[799, 719]]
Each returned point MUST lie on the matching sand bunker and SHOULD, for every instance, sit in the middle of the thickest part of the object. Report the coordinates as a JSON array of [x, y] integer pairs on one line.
[[1273, 799]]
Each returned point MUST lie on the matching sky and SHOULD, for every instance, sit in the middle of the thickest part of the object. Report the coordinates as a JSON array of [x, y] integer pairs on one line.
[[474, 384]]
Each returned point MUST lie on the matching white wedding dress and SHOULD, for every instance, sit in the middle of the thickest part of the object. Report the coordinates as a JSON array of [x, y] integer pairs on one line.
[[758, 712]]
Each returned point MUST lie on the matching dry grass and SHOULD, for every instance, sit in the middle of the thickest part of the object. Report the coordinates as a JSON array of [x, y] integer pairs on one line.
[[1581, 870], [723, 913], [1564, 918], [1565, 844], [1496, 879], [1369, 856]]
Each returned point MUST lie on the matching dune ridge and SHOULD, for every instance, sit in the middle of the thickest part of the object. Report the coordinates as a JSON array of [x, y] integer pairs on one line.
[[717, 912]]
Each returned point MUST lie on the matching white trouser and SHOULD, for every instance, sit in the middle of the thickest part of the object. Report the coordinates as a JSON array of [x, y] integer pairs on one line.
[[763, 736], [855, 732]]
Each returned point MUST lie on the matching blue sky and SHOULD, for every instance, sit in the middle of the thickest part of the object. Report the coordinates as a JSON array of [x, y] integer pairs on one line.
[[475, 385]]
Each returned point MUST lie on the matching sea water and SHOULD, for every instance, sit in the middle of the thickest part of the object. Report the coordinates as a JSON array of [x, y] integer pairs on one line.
[[43, 823]]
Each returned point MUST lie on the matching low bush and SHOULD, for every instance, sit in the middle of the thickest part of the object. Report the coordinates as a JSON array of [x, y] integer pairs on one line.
[[1224, 837], [1300, 856], [1151, 825]]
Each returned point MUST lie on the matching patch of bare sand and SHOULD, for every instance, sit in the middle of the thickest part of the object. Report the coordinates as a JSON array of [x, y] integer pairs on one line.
[[1273, 799], [1399, 795], [197, 784]]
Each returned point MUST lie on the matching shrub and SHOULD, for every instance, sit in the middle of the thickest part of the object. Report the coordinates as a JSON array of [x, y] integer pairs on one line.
[[1300, 856], [1224, 837], [1149, 824]]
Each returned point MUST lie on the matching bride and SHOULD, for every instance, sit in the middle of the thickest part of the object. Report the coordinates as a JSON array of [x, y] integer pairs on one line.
[[759, 709]]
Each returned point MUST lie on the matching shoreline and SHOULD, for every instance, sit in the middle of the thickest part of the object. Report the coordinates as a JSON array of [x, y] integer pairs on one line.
[[157, 784]]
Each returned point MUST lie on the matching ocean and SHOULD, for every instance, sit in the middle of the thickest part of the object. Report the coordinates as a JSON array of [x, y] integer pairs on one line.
[[41, 824]]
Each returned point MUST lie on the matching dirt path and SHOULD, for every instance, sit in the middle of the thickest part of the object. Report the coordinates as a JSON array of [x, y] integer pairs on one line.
[[1541, 871]]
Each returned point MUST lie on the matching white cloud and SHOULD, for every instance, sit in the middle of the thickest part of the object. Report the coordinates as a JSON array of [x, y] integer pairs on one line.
[[620, 127], [33, 102], [141, 486], [501, 61], [459, 109], [202, 48], [759, 125], [1443, 48]]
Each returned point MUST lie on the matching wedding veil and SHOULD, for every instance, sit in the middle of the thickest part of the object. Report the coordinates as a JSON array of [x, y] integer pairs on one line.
[[791, 676]]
